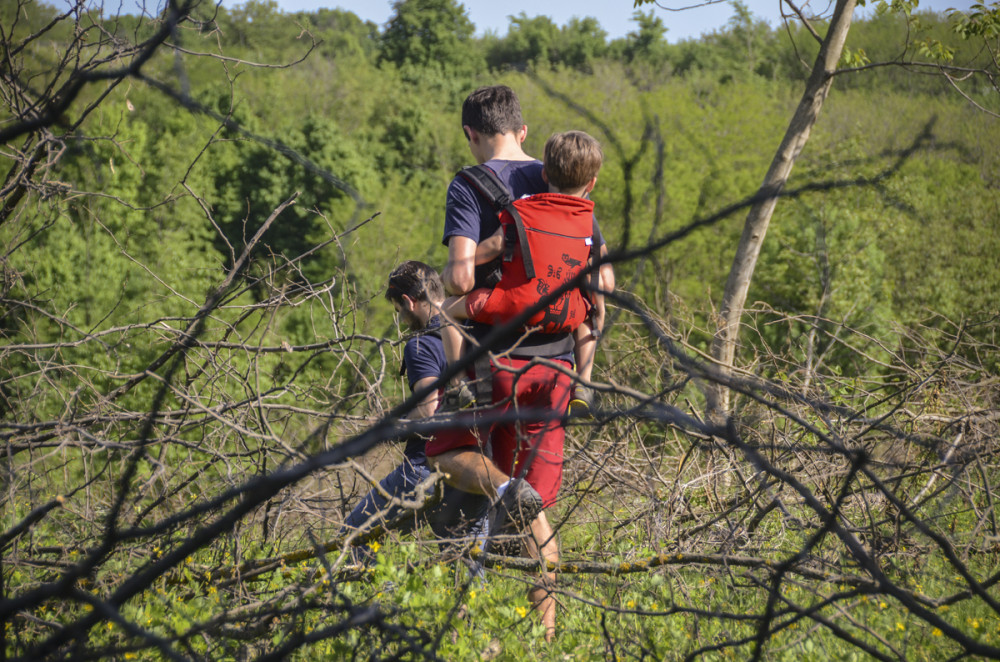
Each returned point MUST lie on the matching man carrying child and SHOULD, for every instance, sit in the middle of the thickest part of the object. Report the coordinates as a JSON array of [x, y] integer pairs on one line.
[[517, 465]]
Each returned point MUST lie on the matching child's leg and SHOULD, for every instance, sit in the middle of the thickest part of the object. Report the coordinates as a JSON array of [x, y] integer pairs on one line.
[[454, 343], [585, 338], [459, 396], [584, 349], [468, 306]]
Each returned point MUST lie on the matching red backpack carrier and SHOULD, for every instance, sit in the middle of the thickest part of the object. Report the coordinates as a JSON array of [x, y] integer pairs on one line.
[[549, 238]]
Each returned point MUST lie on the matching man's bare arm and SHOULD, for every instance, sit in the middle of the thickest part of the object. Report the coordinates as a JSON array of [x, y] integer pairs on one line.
[[459, 275], [490, 249], [428, 405]]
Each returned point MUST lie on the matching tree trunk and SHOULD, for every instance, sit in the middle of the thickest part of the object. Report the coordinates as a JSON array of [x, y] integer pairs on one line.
[[735, 294]]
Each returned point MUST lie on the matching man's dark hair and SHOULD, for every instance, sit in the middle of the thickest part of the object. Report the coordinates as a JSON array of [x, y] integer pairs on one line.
[[416, 280], [492, 111]]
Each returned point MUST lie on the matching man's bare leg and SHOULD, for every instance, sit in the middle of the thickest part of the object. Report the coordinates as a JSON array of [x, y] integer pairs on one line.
[[540, 595], [469, 470]]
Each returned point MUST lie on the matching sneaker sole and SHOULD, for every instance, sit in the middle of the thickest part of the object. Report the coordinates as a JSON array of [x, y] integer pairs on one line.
[[580, 409], [527, 504]]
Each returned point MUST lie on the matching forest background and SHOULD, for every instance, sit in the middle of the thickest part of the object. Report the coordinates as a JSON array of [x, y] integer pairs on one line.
[[199, 214]]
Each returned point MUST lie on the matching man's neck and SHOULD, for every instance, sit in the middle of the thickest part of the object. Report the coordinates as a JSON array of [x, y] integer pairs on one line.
[[432, 311], [503, 147]]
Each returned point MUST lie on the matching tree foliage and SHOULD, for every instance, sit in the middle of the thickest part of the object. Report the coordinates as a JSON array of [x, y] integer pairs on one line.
[[424, 33]]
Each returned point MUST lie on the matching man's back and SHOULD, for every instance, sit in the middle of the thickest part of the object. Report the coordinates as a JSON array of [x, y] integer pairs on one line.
[[468, 214]]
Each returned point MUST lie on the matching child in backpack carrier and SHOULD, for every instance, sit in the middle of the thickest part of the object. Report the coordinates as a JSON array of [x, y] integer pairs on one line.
[[555, 233]]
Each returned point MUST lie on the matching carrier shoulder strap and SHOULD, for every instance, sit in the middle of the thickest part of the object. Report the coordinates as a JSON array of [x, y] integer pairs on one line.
[[595, 259], [482, 178]]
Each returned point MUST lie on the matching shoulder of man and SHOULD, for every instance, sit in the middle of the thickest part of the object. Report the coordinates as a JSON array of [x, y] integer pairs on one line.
[[423, 356]]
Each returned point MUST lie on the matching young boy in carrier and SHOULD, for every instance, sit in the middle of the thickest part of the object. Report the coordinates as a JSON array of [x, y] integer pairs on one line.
[[572, 161]]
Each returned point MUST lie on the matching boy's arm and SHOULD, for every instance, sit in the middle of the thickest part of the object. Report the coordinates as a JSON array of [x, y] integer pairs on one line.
[[429, 404]]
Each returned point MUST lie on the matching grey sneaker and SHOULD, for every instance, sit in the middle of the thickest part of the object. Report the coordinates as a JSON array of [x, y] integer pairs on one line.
[[513, 513], [581, 404], [460, 396], [521, 502]]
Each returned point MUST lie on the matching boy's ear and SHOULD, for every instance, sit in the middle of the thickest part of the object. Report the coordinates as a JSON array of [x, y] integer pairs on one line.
[[545, 176], [408, 303], [522, 133], [591, 184], [470, 134]]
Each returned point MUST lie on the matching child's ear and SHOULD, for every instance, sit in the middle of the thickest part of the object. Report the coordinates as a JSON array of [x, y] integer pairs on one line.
[[408, 303], [545, 176], [591, 184]]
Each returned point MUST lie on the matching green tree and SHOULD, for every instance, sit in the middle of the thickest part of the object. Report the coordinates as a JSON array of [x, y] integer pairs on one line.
[[429, 33], [648, 42], [539, 41], [582, 42], [342, 34], [256, 25], [254, 181], [529, 41]]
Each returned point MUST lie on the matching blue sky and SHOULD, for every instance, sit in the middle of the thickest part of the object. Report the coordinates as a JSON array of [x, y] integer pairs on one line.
[[613, 15]]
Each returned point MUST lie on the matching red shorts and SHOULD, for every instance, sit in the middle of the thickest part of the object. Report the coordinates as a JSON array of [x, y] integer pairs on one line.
[[532, 449]]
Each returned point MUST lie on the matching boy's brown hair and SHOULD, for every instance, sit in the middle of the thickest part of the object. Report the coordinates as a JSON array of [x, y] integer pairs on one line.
[[572, 159], [492, 111]]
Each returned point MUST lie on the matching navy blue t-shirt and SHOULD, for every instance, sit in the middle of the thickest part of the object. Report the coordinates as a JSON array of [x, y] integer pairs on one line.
[[468, 214], [423, 356]]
